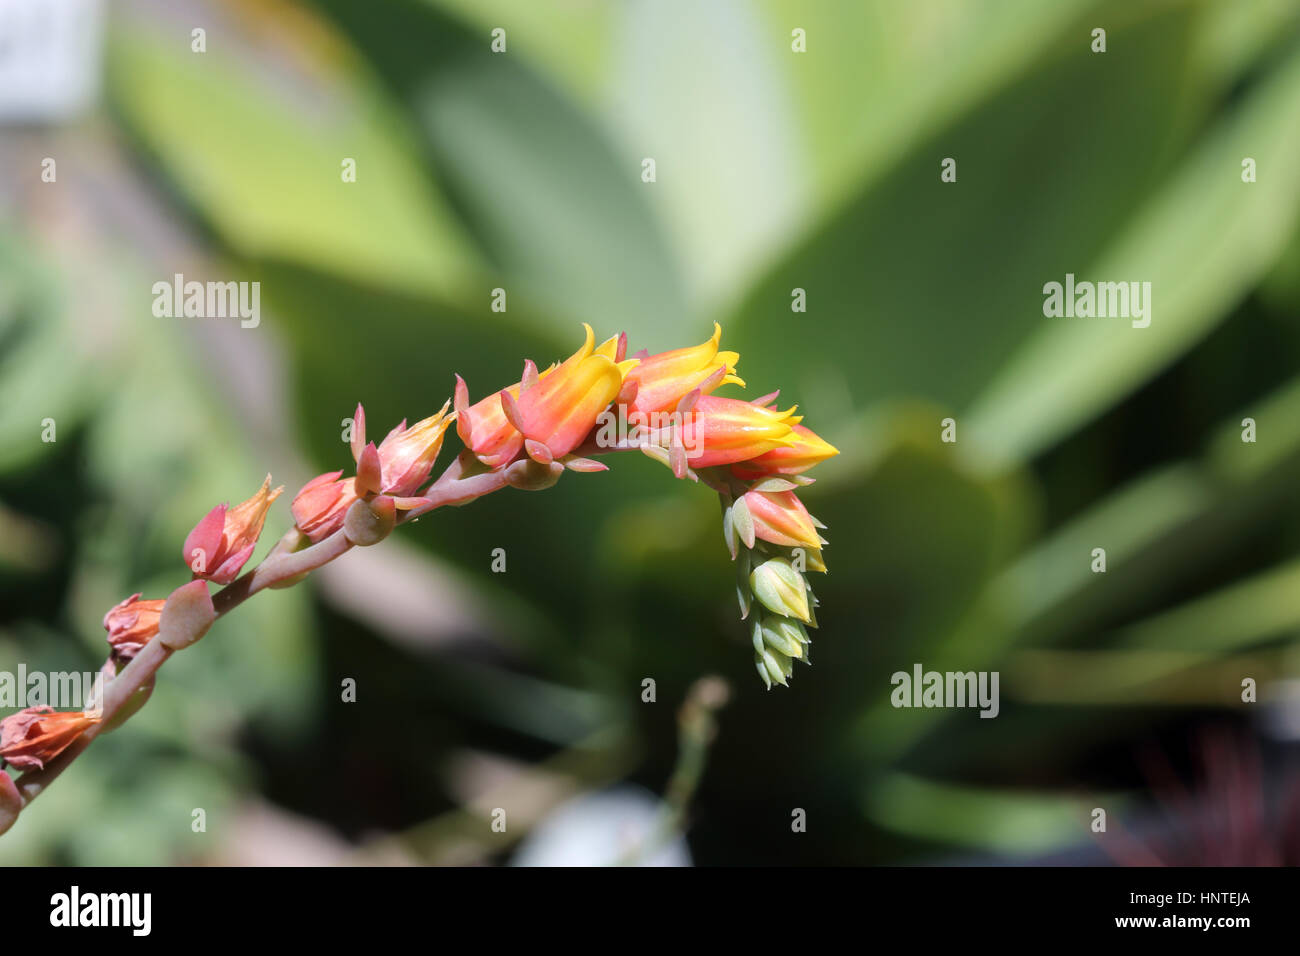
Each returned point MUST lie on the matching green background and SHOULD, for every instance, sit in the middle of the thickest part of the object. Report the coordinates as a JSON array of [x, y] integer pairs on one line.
[[776, 170]]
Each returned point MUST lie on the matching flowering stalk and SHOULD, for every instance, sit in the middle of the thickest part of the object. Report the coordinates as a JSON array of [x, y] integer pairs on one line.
[[524, 436]]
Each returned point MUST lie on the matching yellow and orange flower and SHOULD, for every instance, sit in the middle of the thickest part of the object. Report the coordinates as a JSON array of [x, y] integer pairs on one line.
[[781, 518], [556, 412], [484, 428], [32, 737], [224, 540], [132, 624], [661, 381], [549, 413], [806, 450], [723, 431]]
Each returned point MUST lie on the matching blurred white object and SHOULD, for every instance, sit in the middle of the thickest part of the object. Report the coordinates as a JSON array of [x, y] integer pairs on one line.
[[1281, 713], [50, 58], [601, 829]]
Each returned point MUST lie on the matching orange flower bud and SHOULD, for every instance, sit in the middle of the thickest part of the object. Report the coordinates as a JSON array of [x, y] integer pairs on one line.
[[406, 455], [807, 449], [224, 540], [661, 381], [398, 467], [781, 518], [132, 624], [552, 420], [722, 431], [32, 737], [555, 412], [484, 428], [322, 504]]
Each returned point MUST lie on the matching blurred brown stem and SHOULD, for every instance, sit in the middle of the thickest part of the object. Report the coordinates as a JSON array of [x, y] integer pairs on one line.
[[696, 729]]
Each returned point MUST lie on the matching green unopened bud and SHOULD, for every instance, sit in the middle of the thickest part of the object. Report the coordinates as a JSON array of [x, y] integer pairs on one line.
[[780, 588], [729, 527], [776, 664], [743, 593], [791, 629], [807, 559], [780, 638], [773, 485], [743, 522], [369, 522]]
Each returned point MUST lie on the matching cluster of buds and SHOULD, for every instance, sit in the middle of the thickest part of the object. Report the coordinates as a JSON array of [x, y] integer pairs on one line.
[[752, 453], [773, 539], [523, 436], [755, 457]]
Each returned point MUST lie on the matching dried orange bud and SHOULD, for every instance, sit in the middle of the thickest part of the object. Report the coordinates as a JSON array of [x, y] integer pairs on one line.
[[132, 624], [31, 738]]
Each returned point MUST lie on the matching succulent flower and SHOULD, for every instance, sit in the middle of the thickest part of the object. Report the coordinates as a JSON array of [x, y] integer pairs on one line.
[[32, 737], [407, 455], [525, 437], [132, 624], [805, 450], [319, 508], [555, 413], [781, 518], [723, 431], [224, 540], [663, 380]]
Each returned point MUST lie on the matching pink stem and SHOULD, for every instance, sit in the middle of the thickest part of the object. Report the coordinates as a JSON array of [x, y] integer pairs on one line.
[[280, 565], [133, 678]]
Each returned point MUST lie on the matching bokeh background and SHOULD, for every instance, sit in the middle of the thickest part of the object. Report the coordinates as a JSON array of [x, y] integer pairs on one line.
[[775, 170]]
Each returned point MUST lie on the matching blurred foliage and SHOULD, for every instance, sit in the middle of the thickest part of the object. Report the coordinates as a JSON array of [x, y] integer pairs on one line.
[[775, 171]]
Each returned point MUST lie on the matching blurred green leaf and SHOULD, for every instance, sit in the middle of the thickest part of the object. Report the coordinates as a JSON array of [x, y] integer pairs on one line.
[[732, 185], [1243, 614], [1002, 821], [564, 218], [570, 40], [1202, 241], [918, 287], [46, 369], [265, 171], [880, 77], [914, 544]]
